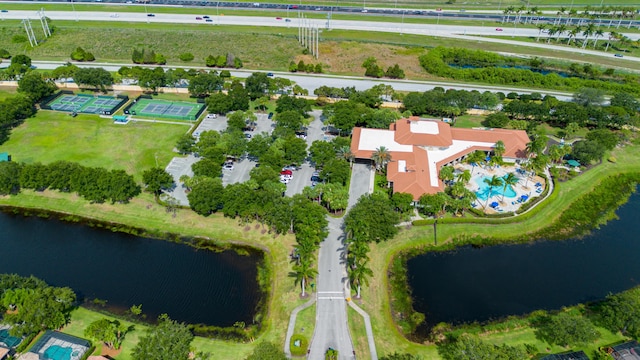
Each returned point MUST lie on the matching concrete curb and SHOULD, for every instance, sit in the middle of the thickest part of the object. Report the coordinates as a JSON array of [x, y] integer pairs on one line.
[[292, 323]]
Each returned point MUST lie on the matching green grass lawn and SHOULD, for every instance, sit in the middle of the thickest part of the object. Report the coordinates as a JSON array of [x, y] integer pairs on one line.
[[93, 141], [6, 92], [358, 334], [469, 121], [306, 322]]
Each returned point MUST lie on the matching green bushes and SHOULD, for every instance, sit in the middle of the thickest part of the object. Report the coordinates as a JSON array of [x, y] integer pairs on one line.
[[486, 68], [186, 57], [222, 61], [401, 302], [298, 345], [222, 333], [4, 54], [80, 54], [147, 57]]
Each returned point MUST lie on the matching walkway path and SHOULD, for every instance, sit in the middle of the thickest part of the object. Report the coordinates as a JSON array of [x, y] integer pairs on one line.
[[292, 324]]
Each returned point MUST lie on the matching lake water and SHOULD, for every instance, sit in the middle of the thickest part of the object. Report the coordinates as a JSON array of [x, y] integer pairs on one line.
[[193, 286], [480, 284]]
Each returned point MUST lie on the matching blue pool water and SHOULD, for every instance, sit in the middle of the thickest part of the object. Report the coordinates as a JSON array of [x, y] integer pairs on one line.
[[483, 192], [55, 352], [8, 340]]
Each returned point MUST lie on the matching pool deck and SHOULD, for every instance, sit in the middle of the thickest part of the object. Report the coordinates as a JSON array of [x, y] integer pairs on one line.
[[525, 186]]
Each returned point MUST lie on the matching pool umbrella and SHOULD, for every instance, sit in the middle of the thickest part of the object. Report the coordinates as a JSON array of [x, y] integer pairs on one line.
[[524, 197], [494, 204]]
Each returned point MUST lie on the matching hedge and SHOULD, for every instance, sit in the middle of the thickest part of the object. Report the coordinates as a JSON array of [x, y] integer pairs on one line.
[[299, 350]]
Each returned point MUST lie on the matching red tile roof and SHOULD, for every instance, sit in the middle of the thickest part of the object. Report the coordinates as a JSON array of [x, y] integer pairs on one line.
[[410, 170]]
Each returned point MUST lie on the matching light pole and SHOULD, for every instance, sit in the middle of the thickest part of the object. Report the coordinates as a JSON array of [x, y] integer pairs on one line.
[[402, 25], [74, 10]]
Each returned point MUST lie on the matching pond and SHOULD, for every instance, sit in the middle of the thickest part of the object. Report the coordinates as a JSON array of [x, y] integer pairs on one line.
[[190, 285], [480, 284]]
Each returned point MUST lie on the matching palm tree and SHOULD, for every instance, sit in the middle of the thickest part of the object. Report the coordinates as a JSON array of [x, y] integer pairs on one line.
[[493, 182], [381, 157], [499, 149], [509, 180], [552, 31], [360, 275], [357, 252], [345, 153], [573, 34], [560, 13], [464, 177], [474, 158], [446, 174], [588, 31], [458, 190], [561, 30], [598, 33], [540, 28], [304, 272]]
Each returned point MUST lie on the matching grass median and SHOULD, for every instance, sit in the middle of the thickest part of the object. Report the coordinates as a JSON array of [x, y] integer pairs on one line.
[[376, 297]]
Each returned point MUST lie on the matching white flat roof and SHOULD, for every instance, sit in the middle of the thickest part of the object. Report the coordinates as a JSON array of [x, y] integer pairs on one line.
[[371, 139], [440, 154], [424, 127], [402, 166]]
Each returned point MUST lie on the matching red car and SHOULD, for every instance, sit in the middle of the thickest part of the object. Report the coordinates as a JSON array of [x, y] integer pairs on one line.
[[278, 18], [498, 29], [198, 18]]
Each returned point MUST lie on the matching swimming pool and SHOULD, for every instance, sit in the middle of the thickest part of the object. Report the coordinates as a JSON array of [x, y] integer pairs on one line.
[[483, 191], [55, 352]]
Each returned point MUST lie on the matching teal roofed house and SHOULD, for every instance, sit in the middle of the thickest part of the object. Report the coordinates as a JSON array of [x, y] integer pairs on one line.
[[5, 156]]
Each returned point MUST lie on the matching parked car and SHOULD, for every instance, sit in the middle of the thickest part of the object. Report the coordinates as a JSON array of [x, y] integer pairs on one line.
[[315, 179], [211, 116], [247, 136], [227, 166], [270, 116]]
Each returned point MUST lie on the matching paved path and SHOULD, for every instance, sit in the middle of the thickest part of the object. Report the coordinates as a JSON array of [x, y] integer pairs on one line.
[[292, 324], [367, 325], [332, 330]]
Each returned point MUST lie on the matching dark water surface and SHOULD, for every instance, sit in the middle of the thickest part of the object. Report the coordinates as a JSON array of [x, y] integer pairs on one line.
[[479, 284], [194, 286]]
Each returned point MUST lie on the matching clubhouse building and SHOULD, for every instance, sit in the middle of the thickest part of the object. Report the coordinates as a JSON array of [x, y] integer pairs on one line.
[[420, 147]]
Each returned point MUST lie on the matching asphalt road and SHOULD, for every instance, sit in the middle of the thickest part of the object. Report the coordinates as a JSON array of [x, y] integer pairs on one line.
[[331, 306], [361, 182], [302, 176], [454, 31]]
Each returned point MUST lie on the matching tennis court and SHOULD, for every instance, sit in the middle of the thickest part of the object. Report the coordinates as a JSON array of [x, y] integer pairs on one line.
[[83, 103], [54, 345], [165, 109]]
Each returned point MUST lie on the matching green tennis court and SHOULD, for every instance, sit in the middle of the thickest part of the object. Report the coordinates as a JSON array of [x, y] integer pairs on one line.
[[83, 103], [165, 109]]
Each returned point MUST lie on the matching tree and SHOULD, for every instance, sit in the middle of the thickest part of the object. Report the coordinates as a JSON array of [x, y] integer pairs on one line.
[[399, 356], [464, 177], [321, 152], [186, 57], [335, 196], [621, 312], [493, 182], [446, 174], [79, 54], [156, 180], [35, 86], [267, 351], [604, 137], [239, 97], [9, 178], [335, 171], [185, 144], [381, 157], [172, 337], [295, 150], [589, 97], [96, 77], [496, 120], [565, 329], [206, 197], [359, 275], [433, 204], [205, 84], [303, 273], [510, 180], [588, 151], [371, 68], [499, 149], [109, 332], [467, 347], [257, 84], [219, 103], [152, 79], [373, 218], [394, 72]]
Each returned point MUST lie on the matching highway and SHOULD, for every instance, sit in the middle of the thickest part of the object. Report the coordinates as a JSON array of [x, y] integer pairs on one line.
[[474, 33]]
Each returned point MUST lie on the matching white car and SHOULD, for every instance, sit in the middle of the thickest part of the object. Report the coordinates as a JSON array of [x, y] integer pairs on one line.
[[211, 116], [227, 167]]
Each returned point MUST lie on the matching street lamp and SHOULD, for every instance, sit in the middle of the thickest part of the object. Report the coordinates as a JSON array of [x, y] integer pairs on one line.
[[74, 10], [218, 12], [402, 25]]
